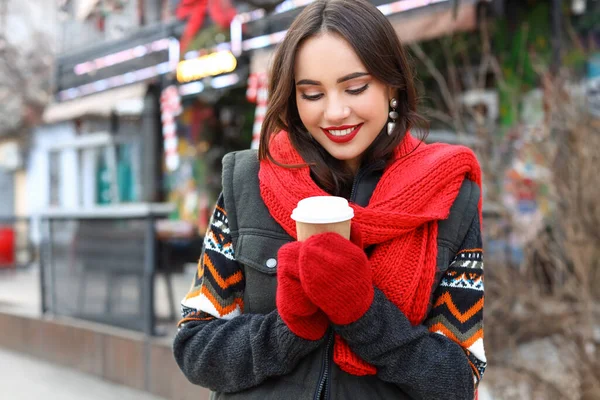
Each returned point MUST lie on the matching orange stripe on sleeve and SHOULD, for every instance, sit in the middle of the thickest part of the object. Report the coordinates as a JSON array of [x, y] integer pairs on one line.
[[447, 299], [223, 283]]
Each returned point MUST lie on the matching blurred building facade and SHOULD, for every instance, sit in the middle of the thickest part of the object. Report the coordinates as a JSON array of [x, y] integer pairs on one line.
[[85, 22], [27, 44], [102, 123]]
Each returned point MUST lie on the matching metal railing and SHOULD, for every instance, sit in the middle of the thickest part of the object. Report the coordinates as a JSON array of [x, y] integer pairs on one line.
[[100, 264]]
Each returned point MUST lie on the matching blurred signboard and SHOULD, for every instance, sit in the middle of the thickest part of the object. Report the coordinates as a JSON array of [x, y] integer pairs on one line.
[[208, 65], [137, 58]]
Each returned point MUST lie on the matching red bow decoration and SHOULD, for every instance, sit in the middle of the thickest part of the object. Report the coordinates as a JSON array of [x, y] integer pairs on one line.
[[220, 11]]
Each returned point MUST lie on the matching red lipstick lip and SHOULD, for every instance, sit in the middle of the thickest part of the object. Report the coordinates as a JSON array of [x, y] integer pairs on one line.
[[342, 139]]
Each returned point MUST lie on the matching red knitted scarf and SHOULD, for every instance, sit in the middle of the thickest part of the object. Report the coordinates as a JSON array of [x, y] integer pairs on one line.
[[416, 190]]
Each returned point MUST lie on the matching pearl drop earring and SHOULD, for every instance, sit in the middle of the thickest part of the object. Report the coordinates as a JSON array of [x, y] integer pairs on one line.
[[393, 116]]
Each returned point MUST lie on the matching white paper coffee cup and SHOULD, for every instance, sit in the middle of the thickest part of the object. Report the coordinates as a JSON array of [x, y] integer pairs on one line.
[[321, 214]]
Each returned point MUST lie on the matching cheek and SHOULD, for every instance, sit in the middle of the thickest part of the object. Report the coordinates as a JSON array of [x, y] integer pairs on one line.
[[372, 102], [309, 112], [371, 107]]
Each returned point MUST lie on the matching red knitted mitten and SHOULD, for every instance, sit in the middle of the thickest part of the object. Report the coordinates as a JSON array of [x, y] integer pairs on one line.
[[295, 308], [336, 275]]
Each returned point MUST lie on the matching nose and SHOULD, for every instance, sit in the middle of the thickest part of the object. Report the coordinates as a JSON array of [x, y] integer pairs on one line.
[[336, 111]]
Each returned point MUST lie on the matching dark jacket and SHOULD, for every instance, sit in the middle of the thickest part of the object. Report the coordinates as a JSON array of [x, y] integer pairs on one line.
[[255, 355]]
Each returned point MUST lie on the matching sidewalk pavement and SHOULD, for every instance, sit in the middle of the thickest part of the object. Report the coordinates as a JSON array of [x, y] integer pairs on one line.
[[20, 290], [26, 378], [99, 352]]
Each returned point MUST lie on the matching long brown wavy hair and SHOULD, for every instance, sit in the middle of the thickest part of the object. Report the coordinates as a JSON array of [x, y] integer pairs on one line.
[[377, 45]]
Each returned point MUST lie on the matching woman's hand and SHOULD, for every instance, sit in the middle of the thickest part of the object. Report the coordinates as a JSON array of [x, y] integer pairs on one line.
[[301, 315], [336, 276]]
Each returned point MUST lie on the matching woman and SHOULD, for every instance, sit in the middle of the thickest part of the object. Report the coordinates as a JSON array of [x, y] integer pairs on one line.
[[394, 312]]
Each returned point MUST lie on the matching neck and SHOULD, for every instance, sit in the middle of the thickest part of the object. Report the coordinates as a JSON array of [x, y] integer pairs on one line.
[[354, 164]]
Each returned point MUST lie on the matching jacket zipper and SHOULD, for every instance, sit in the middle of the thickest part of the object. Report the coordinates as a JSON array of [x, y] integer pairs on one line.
[[357, 177], [361, 174], [324, 377]]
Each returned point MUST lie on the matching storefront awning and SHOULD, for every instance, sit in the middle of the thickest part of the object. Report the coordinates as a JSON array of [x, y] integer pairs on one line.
[[127, 100]]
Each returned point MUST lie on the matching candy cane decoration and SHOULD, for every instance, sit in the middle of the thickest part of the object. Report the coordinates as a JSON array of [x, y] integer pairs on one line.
[[257, 92], [170, 106]]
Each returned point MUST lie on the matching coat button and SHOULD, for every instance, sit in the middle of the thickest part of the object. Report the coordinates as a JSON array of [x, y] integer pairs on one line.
[[271, 263]]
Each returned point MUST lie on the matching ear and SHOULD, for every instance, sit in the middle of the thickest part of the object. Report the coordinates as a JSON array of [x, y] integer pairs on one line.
[[392, 93]]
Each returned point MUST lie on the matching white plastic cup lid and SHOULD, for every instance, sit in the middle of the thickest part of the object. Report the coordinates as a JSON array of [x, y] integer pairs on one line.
[[322, 210]]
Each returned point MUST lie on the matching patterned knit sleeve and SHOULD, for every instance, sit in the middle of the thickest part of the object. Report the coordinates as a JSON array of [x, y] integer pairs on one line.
[[457, 311], [217, 345], [217, 289]]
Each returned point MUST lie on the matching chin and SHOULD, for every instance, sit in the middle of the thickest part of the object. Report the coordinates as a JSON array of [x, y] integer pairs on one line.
[[342, 156]]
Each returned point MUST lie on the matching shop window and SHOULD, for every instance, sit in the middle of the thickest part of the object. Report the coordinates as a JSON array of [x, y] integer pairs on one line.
[[116, 177]]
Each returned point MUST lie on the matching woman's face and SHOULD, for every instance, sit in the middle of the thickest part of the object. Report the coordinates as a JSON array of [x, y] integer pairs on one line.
[[340, 104]]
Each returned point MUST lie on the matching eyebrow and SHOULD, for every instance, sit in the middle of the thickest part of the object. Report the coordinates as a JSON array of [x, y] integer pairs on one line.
[[353, 75]]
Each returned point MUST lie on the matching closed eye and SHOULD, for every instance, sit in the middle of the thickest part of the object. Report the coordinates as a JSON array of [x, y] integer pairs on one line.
[[357, 91], [313, 97], [353, 92]]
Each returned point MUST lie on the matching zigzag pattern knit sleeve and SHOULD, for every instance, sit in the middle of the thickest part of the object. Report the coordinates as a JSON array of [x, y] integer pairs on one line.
[[443, 358], [218, 287], [216, 345], [457, 311]]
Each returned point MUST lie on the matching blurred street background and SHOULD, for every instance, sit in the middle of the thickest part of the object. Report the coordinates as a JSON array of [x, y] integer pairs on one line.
[[114, 117]]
